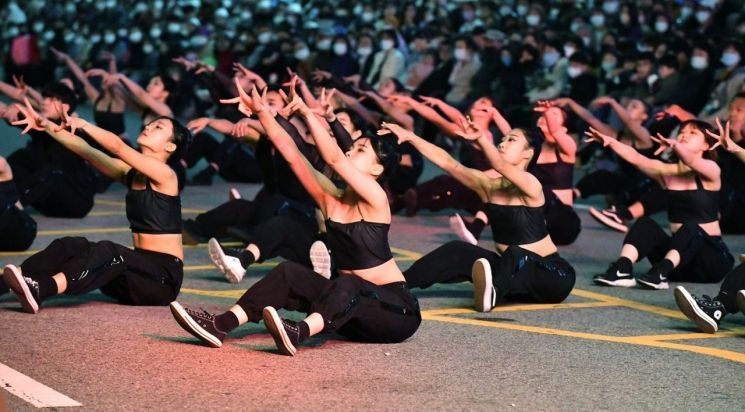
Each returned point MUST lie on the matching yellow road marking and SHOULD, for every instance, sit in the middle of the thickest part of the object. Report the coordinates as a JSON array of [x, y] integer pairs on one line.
[[629, 304], [232, 293], [518, 308], [729, 333], [82, 231]]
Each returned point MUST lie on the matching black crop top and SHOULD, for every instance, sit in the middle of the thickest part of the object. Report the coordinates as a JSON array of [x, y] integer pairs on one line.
[[693, 206], [556, 175], [516, 224], [106, 119], [152, 212], [358, 245], [8, 194]]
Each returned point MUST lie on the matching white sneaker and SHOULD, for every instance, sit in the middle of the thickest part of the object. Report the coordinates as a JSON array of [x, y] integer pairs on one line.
[[484, 293], [741, 301], [234, 194], [458, 226], [230, 266], [321, 259], [25, 289], [609, 217]]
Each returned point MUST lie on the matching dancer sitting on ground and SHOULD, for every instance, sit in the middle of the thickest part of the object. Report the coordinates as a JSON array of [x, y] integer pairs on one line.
[[695, 252], [151, 274], [369, 301], [17, 227], [526, 265], [707, 312]]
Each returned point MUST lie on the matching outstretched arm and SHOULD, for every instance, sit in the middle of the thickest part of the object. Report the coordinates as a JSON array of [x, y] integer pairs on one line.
[[650, 167], [90, 91], [555, 122], [584, 114], [143, 99], [448, 127], [636, 128]]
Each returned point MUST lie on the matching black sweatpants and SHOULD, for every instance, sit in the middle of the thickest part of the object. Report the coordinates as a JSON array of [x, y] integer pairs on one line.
[[240, 213], [626, 189], [236, 163], [287, 235], [733, 283], [133, 277], [517, 274], [17, 229], [703, 258], [732, 211], [54, 193], [349, 305], [562, 221], [444, 192]]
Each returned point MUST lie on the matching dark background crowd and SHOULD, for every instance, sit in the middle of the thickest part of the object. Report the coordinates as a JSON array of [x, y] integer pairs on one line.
[[517, 52]]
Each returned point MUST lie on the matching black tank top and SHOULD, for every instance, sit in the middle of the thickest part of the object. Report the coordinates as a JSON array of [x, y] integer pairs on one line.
[[358, 245], [108, 120], [693, 206], [152, 212], [8, 194], [555, 175], [516, 224]]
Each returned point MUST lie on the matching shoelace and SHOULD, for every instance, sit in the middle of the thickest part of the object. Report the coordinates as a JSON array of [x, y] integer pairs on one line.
[[201, 315], [34, 284], [707, 301], [291, 327]]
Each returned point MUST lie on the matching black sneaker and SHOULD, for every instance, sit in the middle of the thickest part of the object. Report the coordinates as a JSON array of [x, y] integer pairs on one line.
[[653, 280], [200, 324], [741, 301], [25, 288], [614, 277], [705, 312], [285, 332], [609, 218], [191, 234]]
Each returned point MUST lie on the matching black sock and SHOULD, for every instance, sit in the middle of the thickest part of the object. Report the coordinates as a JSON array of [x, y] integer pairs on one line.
[[246, 257], [624, 265], [663, 267], [47, 288], [226, 322], [624, 213], [303, 331], [476, 227], [3, 287]]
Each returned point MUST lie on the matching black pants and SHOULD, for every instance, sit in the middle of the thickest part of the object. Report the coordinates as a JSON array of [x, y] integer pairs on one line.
[[55, 193], [517, 274], [240, 213], [733, 212], [236, 163], [626, 189], [444, 192], [703, 258], [17, 229], [133, 277], [287, 235], [562, 220], [349, 305], [733, 283]]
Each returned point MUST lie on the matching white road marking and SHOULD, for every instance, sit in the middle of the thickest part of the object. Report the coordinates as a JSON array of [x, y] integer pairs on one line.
[[32, 391]]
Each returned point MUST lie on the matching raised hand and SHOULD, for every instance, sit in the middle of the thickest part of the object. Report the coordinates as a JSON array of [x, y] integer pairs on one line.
[[326, 105], [353, 79], [197, 125], [402, 134], [73, 122], [404, 102], [664, 142], [187, 64], [430, 101], [20, 85], [724, 138], [106, 55], [596, 136], [469, 130], [62, 57], [293, 75], [319, 75], [562, 102], [32, 120], [602, 100]]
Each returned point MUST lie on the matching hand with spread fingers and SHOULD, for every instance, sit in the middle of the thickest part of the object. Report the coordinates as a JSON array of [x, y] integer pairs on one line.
[[32, 120], [62, 57], [664, 142], [197, 125], [469, 130], [594, 135], [187, 64], [724, 138], [247, 105], [402, 134], [294, 102], [73, 122], [326, 105], [430, 101]]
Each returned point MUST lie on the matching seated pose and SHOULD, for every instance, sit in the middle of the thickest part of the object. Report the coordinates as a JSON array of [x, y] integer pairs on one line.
[[17, 227], [707, 312], [527, 265], [151, 274], [369, 301], [695, 252]]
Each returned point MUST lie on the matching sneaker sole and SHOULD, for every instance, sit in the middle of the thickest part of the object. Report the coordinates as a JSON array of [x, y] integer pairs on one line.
[[218, 259], [14, 280], [741, 301], [234, 194], [606, 221], [482, 285], [320, 259], [189, 325], [277, 330], [623, 283], [688, 306], [650, 285], [458, 226]]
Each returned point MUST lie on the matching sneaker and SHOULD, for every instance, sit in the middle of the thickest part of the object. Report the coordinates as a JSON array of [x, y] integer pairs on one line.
[[285, 333], [609, 217], [191, 234], [458, 226], [614, 277], [741, 301], [484, 292], [320, 258], [203, 178], [25, 288], [705, 312], [234, 194], [200, 324], [230, 266], [653, 280]]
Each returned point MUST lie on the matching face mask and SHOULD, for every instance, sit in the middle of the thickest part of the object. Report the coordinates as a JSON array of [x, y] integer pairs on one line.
[[147, 48], [364, 51], [109, 38], [198, 41], [68, 37], [685, 12], [155, 32], [340, 49], [506, 60], [608, 66], [522, 9], [642, 48], [48, 35], [13, 32], [505, 10], [246, 15], [741, 29], [468, 15], [158, 5], [550, 58], [135, 37], [702, 16], [324, 44], [460, 53], [38, 27], [625, 18], [302, 54], [574, 71], [661, 26], [574, 27], [586, 41], [264, 37], [533, 20], [610, 7], [699, 63], [122, 32], [730, 59], [174, 27], [70, 8], [386, 44], [368, 16], [597, 20], [96, 38], [569, 51]]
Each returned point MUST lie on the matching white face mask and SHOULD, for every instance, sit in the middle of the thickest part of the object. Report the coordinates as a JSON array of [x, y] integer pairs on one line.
[[569, 51], [685, 11], [610, 7], [730, 59], [574, 71], [522, 9], [368, 16], [597, 20], [13, 32], [340, 49], [702, 16], [147, 48], [364, 51], [324, 44], [174, 27], [48, 35], [550, 58], [661, 26], [302, 54], [533, 20], [96, 38], [386, 44], [122, 32], [38, 27], [699, 63], [135, 37], [505, 10], [109, 38], [608, 66], [69, 37], [460, 53], [265, 37], [155, 32], [625, 18]]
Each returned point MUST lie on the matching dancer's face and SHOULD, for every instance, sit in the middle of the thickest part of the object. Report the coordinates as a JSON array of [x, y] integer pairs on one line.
[[157, 136], [50, 106], [637, 110], [515, 148], [274, 100], [363, 157], [156, 88], [693, 139]]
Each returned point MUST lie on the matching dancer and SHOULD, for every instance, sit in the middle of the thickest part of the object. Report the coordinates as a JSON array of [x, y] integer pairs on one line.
[[17, 227]]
